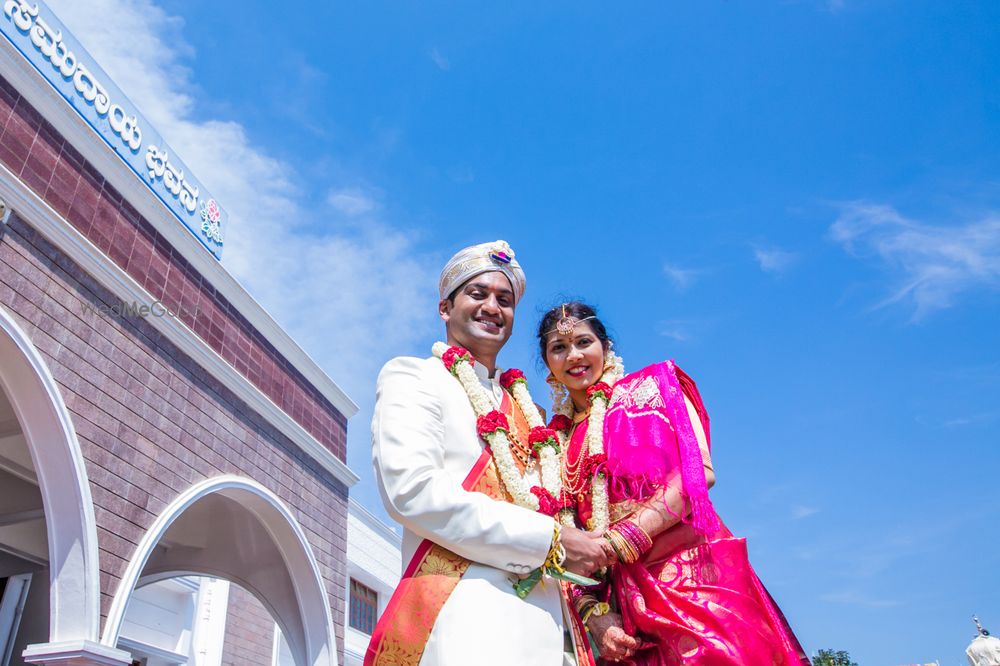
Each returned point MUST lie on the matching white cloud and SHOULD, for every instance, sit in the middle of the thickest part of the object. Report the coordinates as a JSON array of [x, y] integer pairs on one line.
[[929, 265], [352, 201], [443, 63], [971, 419], [678, 330], [461, 175], [350, 297], [800, 512], [681, 277], [774, 260], [111, 30]]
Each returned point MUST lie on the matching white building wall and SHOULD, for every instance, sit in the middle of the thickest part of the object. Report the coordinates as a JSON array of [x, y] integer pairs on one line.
[[373, 559]]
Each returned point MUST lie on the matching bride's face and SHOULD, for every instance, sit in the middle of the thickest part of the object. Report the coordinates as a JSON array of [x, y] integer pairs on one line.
[[576, 359]]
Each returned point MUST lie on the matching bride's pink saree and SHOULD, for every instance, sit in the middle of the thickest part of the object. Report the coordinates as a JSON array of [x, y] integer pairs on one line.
[[693, 598]]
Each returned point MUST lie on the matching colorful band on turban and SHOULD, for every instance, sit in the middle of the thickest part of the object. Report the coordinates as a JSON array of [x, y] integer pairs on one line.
[[482, 258]]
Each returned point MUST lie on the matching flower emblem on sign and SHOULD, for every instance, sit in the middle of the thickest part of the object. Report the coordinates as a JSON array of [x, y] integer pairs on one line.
[[210, 217]]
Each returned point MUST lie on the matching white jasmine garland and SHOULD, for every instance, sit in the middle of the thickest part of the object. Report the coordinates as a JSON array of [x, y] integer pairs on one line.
[[599, 503], [595, 424], [595, 446], [523, 398], [567, 518], [549, 460], [549, 463], [478, 396]]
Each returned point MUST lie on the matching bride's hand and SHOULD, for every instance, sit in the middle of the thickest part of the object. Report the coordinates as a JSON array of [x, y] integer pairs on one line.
[[611, 638]]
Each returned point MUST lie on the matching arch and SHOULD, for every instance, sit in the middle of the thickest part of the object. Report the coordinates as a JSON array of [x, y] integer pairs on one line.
[[234, 528], [74, 574]]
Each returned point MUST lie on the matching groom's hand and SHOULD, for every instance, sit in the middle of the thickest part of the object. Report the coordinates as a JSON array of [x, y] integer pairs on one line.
[[584, 553]]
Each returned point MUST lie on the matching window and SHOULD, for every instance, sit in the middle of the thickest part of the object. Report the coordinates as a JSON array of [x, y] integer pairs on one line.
[[364, 607]]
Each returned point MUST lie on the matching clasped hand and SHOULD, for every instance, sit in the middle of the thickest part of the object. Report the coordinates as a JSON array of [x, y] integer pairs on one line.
[[585, 552]]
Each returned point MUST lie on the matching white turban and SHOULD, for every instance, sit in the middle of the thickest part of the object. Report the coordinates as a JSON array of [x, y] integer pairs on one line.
[[482, 258]]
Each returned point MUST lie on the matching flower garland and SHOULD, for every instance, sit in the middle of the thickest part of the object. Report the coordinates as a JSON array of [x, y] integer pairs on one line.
[[544, 441], [492, 426], [599, 395]]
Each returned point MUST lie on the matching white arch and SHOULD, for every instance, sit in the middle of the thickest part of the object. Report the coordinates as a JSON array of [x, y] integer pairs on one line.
[[317, 647], [74, 574]]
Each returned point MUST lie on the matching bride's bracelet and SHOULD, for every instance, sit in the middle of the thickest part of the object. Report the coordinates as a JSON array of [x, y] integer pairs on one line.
[[596, 609], [587, 606], [629, 541]]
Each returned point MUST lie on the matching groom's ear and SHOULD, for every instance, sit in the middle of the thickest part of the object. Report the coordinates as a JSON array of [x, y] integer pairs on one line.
[[444, 309]]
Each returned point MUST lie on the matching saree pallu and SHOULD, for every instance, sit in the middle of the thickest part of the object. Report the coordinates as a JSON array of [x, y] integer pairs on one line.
[[697, 600], [693, 598]]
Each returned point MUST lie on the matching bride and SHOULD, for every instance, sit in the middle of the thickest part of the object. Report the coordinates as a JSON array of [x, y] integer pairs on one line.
[[637, 467]]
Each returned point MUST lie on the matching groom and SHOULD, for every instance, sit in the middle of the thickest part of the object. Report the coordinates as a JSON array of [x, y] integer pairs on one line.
[[464, 542]]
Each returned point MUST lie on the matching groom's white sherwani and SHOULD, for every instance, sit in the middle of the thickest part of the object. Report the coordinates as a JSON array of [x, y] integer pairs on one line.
[[424, 444]]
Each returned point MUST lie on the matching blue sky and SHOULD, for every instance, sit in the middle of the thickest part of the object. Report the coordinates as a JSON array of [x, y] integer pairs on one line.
[[798, 201]]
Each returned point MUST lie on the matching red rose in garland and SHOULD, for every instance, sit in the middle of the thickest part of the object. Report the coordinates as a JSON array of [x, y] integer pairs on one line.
[[539, 437], [491, 422], [560, 422], [454, 355], [510, 376], [600, 387], [595, 464], [547, 504]]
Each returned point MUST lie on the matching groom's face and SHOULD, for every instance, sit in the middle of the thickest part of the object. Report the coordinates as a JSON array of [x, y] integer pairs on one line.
[[481, 315]]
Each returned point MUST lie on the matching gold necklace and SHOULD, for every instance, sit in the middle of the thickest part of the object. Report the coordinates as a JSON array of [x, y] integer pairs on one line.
[[572, 477]]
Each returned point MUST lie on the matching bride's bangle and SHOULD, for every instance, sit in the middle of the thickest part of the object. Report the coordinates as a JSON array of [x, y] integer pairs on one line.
[[629, 541], [582, 601]]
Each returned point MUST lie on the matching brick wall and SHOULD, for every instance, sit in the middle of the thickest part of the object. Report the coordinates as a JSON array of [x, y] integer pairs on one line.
[[31, 148], [150, 421], [249, 637]]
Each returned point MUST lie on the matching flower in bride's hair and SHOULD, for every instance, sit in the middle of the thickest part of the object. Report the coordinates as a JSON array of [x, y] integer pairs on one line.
[[560, 422], [510, 377], [455, 354], [491, 422]]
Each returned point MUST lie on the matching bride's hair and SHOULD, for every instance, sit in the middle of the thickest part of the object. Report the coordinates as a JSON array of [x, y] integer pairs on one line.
[[577, 310]]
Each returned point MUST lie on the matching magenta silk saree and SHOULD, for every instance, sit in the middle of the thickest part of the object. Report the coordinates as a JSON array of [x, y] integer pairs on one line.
[[693, 597]]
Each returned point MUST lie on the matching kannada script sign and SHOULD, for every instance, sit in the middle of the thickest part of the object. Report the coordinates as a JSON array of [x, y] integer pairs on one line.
[[35, 31]]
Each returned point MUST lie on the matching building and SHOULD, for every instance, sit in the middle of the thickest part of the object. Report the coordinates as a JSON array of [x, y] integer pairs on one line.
[[191, 620], [374, 564], [171, 462], [984, 650]]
